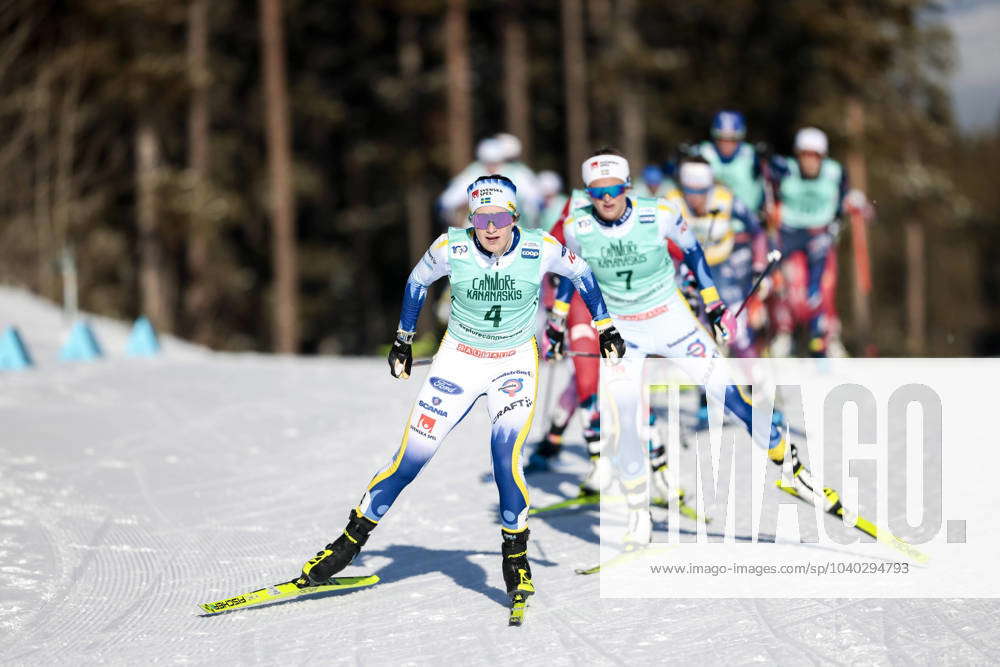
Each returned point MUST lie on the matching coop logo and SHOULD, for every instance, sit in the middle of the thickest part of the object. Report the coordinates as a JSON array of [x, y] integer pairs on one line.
[[529, 253], [445, 386], [512, 386], [431, 408]]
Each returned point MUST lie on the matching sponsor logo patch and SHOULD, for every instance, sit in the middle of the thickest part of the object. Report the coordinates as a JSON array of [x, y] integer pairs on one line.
[[445, 386], [526, 402], [426, 423], [459, 249], [431, 408], [696, 349], [512, 386], [529, 253]]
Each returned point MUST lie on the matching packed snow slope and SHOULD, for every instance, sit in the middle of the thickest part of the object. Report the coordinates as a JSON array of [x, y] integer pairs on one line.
[[130, 490]]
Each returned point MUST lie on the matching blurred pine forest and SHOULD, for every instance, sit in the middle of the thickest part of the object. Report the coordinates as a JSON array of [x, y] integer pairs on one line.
[[144, 140]]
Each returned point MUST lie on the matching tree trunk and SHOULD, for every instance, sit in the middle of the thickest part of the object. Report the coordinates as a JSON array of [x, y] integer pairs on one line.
[[279, 156], [151, 256], [516, 80], [858, 173], [916, 290], [459, 86], [199, 294], [575, 74], [630, 117], [417, 199], [43, 189]]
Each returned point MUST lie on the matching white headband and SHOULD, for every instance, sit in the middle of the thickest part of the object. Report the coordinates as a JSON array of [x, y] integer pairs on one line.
[[492, 192], [605, 166], [695, 176]]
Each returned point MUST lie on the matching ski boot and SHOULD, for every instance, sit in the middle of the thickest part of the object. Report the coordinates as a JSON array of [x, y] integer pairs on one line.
[[516, 569], [663, 493], [545, 454], [639, 534], [598, 475], [338, 554], [799, 477]]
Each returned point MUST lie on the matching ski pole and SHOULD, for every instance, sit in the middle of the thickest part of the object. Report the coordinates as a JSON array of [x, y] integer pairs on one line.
[[773, 258]]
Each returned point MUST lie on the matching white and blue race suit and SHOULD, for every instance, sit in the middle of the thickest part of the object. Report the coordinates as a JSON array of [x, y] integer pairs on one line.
[[488, 351]]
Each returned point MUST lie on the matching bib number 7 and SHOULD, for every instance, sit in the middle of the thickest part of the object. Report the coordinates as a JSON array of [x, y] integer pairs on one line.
[[493, 314], [628, 278]]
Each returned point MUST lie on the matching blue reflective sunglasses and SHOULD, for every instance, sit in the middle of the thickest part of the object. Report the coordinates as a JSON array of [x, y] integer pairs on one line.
[[611, 190]]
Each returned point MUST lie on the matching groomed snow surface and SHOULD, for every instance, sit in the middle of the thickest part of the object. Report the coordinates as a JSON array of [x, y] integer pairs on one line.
[[130, 490]]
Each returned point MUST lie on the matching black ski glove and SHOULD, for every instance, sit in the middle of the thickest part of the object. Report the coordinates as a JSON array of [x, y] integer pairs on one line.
[[556, 333], [611, 342], [401, 355]]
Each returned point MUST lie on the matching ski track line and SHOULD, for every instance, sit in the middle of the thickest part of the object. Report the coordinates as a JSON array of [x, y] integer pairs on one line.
[[762, 615], [985, 653], [57, 605]]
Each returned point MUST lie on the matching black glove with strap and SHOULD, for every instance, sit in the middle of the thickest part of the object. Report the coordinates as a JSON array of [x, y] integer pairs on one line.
[[401, 355], [611, 342], [555, 332]]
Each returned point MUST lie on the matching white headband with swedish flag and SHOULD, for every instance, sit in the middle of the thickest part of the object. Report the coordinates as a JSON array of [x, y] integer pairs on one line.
[[492, 192]]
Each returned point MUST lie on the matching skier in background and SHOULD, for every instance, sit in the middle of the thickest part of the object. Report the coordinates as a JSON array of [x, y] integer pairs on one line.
[[734, 242], [809, 190], [495, 269], [553, 200], [734, 162], [653, 183], [494, 155]]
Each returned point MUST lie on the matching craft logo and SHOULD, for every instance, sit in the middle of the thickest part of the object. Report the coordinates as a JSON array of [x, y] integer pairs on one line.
[[426, 423], [445, 386], [525, 402], [494, 287], [529, 253], [696, 349], [512, 386], [620, 253]]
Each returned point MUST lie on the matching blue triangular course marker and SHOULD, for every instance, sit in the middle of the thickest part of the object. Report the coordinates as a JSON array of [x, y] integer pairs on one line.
[[13, 352], [81, 344], [142, 342]]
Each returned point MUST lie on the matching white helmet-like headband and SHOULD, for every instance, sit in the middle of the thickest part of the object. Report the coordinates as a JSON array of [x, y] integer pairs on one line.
[[492, 191], [605, 166]]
